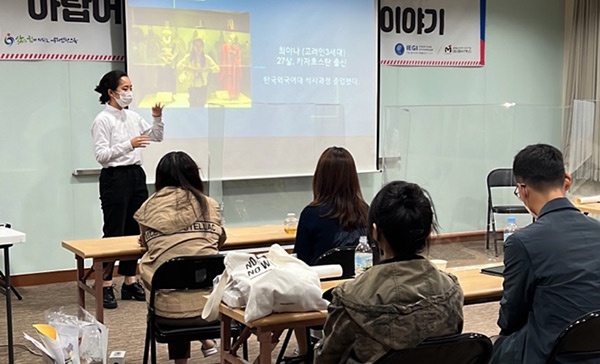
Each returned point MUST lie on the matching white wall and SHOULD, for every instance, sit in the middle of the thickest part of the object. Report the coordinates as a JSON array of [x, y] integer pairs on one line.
[[47, 109], [449, 122]]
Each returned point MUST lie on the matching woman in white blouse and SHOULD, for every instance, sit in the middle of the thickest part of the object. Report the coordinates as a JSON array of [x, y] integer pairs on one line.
[[119, 134]]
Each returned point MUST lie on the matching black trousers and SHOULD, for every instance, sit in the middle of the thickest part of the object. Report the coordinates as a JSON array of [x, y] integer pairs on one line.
[[122, 191]]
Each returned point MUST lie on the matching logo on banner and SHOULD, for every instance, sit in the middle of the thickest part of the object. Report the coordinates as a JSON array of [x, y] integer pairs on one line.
[[9, 40], [60, 30], [432, 33], [399, 49]]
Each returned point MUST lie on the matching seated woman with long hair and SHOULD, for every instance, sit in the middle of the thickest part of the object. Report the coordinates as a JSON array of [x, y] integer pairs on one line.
[[337, 215], [178, 220], [402, 300]]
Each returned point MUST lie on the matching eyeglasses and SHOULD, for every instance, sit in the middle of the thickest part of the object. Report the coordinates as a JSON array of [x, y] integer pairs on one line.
[[516, 191]]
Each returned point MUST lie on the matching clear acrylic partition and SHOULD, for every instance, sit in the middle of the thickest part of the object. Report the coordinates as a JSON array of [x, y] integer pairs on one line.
[[329, 128], [213, 173], [449, 150], [322, 126]]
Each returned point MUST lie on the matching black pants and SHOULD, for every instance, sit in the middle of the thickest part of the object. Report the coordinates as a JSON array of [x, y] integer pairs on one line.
[[122, 192]]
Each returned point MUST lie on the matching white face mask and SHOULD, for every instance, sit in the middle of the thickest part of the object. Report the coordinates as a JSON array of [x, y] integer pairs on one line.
[[125, 98]]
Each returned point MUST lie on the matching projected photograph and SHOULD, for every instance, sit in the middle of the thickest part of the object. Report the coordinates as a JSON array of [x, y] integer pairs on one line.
[[191, 59], [259, 87]]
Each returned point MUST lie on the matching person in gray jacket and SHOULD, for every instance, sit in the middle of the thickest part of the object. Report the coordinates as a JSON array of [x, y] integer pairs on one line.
[[552, 267], [401, 301]]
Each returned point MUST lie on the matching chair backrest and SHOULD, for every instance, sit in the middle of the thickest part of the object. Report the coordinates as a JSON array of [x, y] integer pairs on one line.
[[579, 340], [343, 256], [469, 348], [188, 272], [501, 177], [351, 238]]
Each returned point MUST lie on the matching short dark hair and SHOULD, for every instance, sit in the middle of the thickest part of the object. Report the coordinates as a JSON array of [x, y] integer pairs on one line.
[[540, 166], [405, 215], [178, 169], [109, 81]]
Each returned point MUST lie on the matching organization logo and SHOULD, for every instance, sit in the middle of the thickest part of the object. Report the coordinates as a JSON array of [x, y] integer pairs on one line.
[[448, 49], [399, 49], [9, 40]]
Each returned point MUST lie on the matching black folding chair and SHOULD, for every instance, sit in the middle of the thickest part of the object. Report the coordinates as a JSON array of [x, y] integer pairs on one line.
[[469, 348], [499, 178], [343, 256], [183, 273], [579, 341]]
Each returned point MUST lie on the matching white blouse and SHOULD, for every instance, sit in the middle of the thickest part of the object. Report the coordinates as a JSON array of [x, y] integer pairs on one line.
[[112, 131]]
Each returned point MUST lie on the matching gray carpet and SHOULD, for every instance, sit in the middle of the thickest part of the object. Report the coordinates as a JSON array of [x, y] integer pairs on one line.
[[127, 323]]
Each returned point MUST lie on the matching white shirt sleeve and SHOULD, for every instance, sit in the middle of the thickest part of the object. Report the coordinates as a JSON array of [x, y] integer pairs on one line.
[[158, 129]]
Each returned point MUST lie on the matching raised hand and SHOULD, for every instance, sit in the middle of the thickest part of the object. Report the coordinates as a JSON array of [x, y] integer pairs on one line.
[[157, 109]]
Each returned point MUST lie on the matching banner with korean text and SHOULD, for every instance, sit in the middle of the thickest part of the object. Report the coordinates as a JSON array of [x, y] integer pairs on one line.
[[85, 30], [432, 33]]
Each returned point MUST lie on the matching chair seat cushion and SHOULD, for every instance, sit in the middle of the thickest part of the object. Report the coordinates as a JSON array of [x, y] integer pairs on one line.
[[165, 334]]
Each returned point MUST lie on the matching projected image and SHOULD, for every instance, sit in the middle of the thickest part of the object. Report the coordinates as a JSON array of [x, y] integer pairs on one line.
[[261, 87], [191, 58]]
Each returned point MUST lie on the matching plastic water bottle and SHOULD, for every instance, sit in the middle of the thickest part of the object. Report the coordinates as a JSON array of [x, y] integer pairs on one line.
[[363, 256], [511, 227]]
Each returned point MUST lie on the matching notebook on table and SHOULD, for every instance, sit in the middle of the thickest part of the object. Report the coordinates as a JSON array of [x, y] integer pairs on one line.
[[497, 270]]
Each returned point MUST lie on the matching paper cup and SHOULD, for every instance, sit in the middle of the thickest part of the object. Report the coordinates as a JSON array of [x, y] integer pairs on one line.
[[439, 263]]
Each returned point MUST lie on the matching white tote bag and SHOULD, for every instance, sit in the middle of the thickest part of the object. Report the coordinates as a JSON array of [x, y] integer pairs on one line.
[[275, 282]]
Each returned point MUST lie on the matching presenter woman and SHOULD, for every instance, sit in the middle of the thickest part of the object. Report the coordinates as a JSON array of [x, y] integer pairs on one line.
[[119, 135]]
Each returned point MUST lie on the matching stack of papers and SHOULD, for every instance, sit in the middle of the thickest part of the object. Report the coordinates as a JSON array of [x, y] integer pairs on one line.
[[590, 199]]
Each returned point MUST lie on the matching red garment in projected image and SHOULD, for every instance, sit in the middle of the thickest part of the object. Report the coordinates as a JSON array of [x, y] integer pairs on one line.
[[231, 68]]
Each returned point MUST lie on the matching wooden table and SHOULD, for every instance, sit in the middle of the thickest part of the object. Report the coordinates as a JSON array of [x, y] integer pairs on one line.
[[590, 208], [9, 237], [267, 329], [127, 248], [477, 288]]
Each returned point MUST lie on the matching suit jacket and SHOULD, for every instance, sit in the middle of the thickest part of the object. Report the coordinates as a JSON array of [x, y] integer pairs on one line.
[[551, 277]]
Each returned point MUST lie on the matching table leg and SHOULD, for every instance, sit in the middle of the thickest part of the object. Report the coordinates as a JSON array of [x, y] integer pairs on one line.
[[9, 328], [80, 280], [225, 336], [98, 281], [265, 346], [13, 289]]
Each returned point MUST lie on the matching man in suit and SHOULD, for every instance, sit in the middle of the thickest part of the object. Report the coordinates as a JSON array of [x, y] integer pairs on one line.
[[552, 267]]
